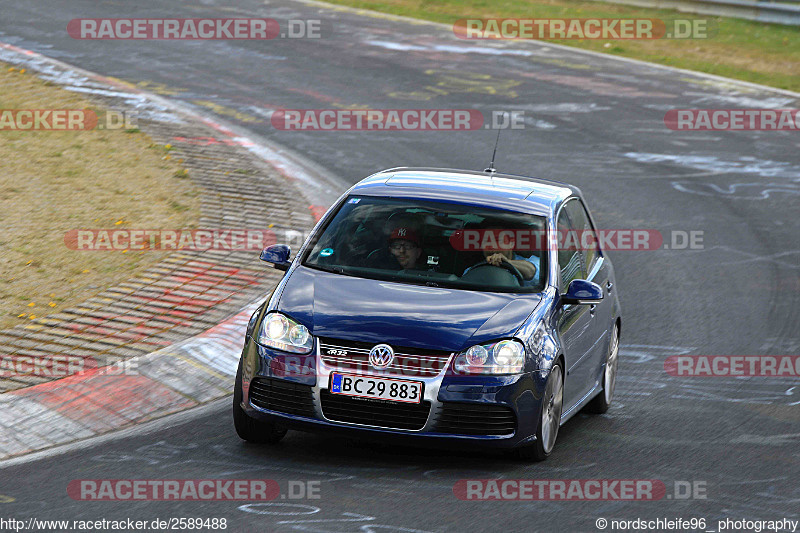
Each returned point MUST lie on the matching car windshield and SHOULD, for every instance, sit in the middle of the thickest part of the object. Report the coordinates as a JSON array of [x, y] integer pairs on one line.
[[433, 243]]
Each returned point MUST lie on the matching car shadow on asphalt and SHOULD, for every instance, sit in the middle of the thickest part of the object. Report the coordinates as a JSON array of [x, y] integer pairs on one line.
[[323, 450]]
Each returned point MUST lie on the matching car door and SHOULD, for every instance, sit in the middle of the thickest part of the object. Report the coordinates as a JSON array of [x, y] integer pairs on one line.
[[574, 322], [597, 271]]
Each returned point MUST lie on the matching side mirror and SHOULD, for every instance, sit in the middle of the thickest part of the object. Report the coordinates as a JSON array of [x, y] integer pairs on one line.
[[581, 291], [278, 255]]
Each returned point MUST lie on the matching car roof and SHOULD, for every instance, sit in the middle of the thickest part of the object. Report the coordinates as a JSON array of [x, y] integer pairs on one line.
[[504, 191]]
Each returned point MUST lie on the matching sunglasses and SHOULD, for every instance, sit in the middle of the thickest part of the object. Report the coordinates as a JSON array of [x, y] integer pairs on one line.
[[406, 246]]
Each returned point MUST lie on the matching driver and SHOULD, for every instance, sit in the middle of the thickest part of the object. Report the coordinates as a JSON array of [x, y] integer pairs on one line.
[[405, 247], [527, 266]]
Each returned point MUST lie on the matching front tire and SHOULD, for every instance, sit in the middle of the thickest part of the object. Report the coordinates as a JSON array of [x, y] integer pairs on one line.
[[549, 418], [250, 429], [602, 401]]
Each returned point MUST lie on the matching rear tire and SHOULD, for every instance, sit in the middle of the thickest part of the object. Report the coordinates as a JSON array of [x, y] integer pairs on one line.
[[250, 429], [549, 418], [600, 403]]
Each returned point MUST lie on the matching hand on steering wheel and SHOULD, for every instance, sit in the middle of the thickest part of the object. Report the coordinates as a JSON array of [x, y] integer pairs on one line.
[[506, 265], [496, 259]]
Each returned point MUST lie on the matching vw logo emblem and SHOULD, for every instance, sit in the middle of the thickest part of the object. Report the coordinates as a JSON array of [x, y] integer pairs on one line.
[[381, 356]]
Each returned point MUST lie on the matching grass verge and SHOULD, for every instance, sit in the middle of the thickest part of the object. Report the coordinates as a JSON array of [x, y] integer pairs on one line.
[[55, 181], [768, 54]]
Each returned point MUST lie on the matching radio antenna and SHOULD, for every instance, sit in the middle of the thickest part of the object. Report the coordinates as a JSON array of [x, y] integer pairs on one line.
[[491, 169]]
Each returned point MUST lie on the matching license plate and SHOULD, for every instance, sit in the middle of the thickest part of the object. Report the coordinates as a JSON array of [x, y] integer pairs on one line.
[[394, 390]]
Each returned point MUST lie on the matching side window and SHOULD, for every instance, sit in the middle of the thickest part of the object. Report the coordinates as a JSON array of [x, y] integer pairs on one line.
[[569, 259], [587, 236]]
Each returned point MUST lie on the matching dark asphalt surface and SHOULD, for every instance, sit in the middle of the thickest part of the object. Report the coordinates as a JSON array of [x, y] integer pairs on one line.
[[591, 121]]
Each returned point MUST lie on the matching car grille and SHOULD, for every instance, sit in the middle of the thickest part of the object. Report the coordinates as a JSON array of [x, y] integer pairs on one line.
[[386, 414], [282, 396], [354, 356], [476, 419]]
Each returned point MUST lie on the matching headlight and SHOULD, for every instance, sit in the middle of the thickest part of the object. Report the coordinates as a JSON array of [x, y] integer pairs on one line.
[[502, 357], [283, 333], [477, 356]]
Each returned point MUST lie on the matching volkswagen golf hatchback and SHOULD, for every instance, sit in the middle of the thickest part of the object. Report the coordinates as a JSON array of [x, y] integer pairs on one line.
[[436, 304]]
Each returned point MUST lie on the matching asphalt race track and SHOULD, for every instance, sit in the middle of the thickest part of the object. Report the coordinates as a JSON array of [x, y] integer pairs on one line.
[[591, 121]]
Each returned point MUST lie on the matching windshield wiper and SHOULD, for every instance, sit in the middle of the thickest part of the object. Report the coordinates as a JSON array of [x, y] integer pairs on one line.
[[334, 269]]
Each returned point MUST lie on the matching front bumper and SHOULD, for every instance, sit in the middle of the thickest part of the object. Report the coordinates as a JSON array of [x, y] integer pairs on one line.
[[491, 411]]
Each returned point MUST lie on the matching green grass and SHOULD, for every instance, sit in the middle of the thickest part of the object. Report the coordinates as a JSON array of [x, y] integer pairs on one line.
[[768, 54], [56, 181]]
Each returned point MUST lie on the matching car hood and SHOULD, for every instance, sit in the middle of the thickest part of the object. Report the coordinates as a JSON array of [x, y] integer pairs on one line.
[[357, 309]]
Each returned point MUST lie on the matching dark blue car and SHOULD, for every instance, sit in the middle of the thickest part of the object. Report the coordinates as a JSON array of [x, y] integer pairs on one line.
[[437, 304]]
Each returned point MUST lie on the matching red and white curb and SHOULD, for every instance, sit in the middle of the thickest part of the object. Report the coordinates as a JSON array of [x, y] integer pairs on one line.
[[190, 373], [187, 374]]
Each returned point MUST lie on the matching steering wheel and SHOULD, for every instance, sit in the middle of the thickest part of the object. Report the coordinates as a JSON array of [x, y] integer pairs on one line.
[[504, 264]]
